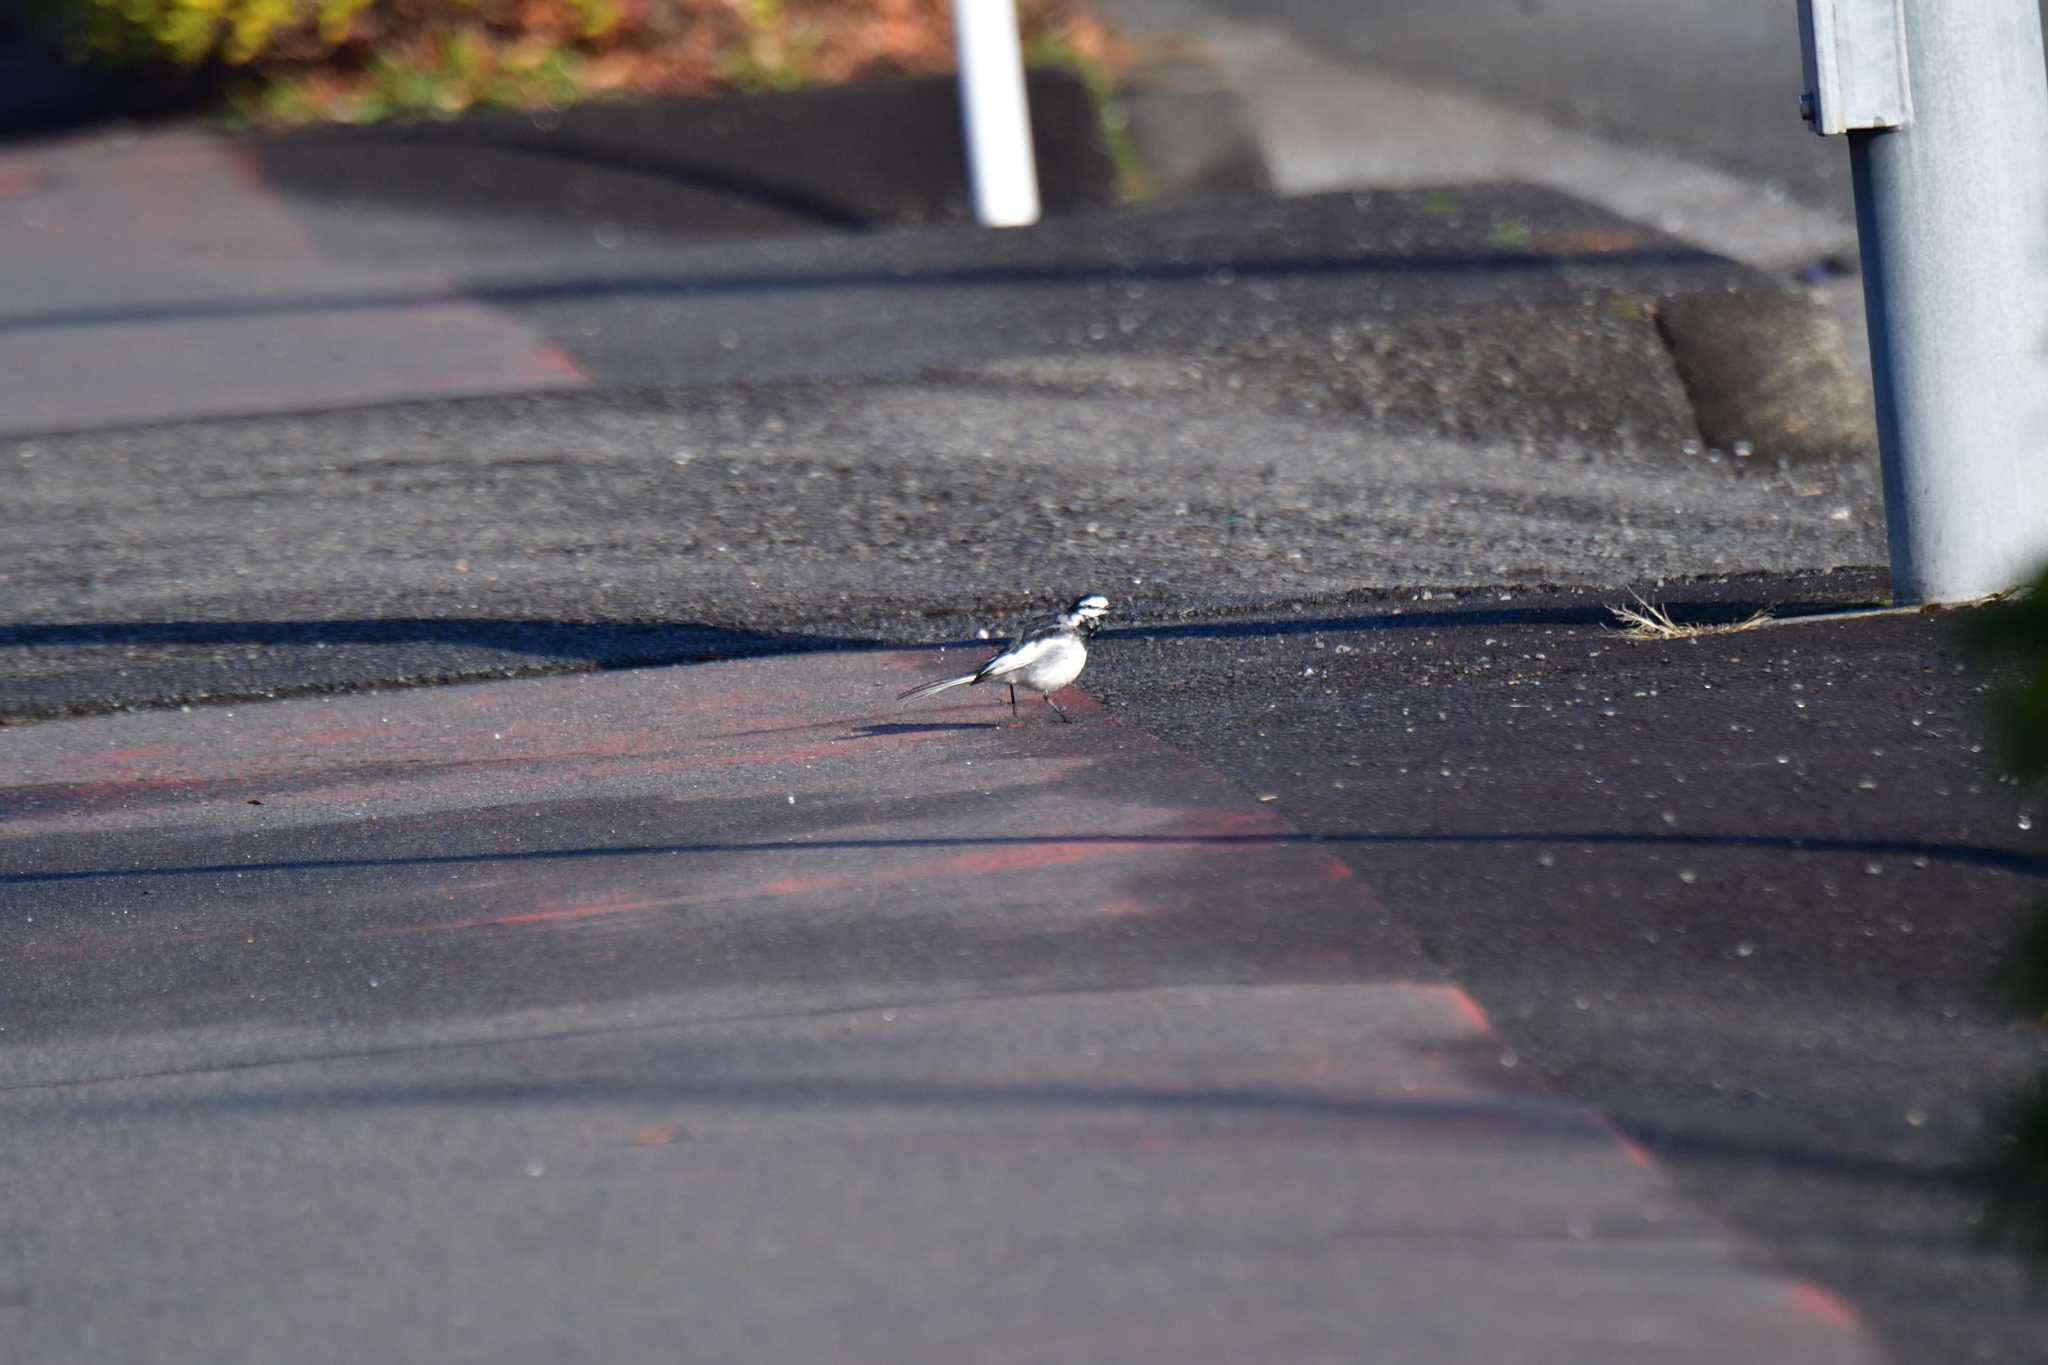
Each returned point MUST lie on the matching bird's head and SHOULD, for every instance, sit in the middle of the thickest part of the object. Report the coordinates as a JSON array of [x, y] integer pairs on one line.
[[1087, 612]]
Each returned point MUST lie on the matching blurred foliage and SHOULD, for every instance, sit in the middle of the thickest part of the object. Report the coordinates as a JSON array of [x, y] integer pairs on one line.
[[771, 54], [2025, 977], [2013, 638], [1055, 46], [293, 61], [2015, 1173]]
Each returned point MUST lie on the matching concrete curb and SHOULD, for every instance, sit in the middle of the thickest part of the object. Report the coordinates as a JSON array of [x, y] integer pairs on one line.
[[1767, 367], [1193, 134], [1766, 373]]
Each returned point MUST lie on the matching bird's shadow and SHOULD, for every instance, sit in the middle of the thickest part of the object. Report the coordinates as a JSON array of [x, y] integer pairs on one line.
[[881, 731]]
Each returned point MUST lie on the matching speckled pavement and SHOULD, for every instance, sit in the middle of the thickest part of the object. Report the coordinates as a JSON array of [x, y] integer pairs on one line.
[[735, 1012]]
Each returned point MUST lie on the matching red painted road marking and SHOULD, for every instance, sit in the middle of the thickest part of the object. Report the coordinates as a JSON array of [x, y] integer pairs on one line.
[[798, 886], [215, 299], [1824, 1304], [1025, 857], [608, 905], [1456, 998], [18, 177], [801, 886], [1634, 1151], [353, 734], [139, 754], [542, 364]]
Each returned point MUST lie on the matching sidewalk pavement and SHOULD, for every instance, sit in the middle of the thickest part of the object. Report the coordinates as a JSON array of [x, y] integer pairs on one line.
[[184, 270], [503, 253], [736, 1013]]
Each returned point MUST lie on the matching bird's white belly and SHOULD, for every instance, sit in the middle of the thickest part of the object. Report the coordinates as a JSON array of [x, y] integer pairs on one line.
[[1052, 670]]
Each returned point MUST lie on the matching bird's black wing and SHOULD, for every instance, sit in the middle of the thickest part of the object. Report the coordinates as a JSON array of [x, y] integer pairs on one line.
[[1037, 628], [1030, 629]]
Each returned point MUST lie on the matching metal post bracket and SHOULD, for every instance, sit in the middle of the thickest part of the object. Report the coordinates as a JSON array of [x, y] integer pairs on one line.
[[1855, 56]]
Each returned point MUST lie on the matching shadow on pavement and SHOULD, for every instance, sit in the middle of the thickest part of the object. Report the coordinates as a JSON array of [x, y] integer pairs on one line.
[[378, 149], [868, 155], [1523, 1115], [1520, 1115], [163, 662], [1974, 855], [41, 93], [611, 645], [594, 288], [885, 731], [1589, 614]]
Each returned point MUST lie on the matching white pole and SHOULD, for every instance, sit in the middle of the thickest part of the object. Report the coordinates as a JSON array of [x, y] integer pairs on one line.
[[999, 156], [1952, 212]]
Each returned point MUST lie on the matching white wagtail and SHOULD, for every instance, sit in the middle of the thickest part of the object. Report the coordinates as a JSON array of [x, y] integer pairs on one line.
[[1048, 653]]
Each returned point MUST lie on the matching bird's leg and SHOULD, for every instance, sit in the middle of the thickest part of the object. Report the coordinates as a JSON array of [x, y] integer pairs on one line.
[[1047, 697], [1013, 701]]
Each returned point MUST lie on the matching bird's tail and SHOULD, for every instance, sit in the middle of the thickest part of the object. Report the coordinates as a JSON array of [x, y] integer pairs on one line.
[[926, 689]]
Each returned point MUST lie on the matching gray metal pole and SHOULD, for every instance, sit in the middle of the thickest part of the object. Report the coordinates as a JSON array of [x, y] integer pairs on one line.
[[1952, 211]]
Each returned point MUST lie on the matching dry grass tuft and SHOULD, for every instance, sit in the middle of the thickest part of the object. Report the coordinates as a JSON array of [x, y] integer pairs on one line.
[[1647, 621]]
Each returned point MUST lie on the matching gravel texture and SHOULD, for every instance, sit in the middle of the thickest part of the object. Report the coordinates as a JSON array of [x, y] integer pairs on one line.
[[498, 536]]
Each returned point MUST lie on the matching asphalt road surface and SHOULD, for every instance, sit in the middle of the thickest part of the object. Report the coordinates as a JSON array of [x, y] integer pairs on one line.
[[1744, 893]]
